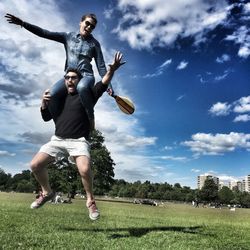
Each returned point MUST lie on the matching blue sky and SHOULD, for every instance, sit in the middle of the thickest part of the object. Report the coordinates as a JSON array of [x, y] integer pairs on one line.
[[187, 72]]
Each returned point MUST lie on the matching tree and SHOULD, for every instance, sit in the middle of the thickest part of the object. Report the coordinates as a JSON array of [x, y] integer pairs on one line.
[[22, 182], [209, 191], [225, 195], [64, 176], [102, 164], [4, 180]]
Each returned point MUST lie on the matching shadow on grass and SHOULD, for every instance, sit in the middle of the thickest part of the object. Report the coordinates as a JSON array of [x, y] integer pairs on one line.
[[137, 232]]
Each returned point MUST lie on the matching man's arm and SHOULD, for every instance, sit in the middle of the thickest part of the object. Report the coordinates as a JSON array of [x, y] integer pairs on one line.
[[44, 106], [112, 68], [56, 36], [102, 86]]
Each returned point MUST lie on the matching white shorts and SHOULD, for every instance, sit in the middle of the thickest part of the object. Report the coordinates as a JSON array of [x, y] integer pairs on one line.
[[70, 147]]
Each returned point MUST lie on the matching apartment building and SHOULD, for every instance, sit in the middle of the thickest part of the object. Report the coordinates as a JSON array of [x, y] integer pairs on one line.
[[241, 186], [247, 183], [201, 180]]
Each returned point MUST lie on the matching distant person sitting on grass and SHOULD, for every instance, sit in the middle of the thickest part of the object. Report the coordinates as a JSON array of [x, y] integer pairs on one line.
[[72, 129]]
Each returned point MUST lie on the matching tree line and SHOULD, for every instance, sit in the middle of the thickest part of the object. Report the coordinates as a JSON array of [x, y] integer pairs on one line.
[[64, 178]]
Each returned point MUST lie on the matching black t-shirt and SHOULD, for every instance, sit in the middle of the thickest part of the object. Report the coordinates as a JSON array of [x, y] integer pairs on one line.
[[73, 121]]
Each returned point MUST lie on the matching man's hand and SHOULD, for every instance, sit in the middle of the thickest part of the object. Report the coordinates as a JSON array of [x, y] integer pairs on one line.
[[45, 99], [112, 68], [13, 19], [116, 62]]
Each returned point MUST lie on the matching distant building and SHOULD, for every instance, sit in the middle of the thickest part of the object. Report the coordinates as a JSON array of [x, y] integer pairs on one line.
[[233, 185], [244, 185], [223, 184], [201, 180], [247, 185], [236, 185], [241, 186]]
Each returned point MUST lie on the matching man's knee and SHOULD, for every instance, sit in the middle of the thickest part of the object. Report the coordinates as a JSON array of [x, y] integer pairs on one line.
[[39, 162], [35, 166], [85, 172], [83, 165]]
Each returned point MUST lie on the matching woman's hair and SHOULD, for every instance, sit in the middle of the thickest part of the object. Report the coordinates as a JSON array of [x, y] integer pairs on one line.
[[93, 16]]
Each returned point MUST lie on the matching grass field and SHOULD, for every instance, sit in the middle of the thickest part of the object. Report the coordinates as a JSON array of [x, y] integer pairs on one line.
[[121, 226]]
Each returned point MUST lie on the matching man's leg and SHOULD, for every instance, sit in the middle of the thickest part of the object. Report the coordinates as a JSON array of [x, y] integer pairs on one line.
[[38, 166], [83, 165]]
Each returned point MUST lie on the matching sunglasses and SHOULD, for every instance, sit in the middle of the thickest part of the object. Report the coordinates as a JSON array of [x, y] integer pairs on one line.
[[72, 77], [92, 26]]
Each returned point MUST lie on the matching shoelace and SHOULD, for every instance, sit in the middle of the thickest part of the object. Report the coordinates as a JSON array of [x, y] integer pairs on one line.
[[40, 198], [93, 207]]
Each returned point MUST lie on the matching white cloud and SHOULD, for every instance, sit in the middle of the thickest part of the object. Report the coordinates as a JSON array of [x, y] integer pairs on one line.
[[227, 178], [218, 144], [220, 109], [165, 64], [222, 76], [182, 65], [158, 71], [138, 167], [241, 37], [174, 158], [247, 7], [242, 105], [168, 148], [26, 57], [195, 170], [242, 118], [180, 97], [145, 24], [244, 51], [6, 153], [223, 58]]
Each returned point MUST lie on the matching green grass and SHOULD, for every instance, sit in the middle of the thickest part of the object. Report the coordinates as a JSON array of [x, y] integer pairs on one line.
[[121, 226]]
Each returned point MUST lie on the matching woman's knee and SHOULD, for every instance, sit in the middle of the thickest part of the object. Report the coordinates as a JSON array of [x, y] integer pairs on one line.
[[58, 89], [87, 82]]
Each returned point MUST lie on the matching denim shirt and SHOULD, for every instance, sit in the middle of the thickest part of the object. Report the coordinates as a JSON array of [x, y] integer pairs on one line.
[[79, 50]]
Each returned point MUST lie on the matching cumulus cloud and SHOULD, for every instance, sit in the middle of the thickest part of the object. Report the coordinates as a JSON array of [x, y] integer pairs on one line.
[[220, 109], [27, 59], [242, 105], [182, 65], [218, 144], [242, 38], [138, 167], [223, 58], [242, 118], [145, 24]]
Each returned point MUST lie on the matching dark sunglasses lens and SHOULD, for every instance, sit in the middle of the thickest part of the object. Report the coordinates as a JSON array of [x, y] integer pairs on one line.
[[72, 77], [90, 24]]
